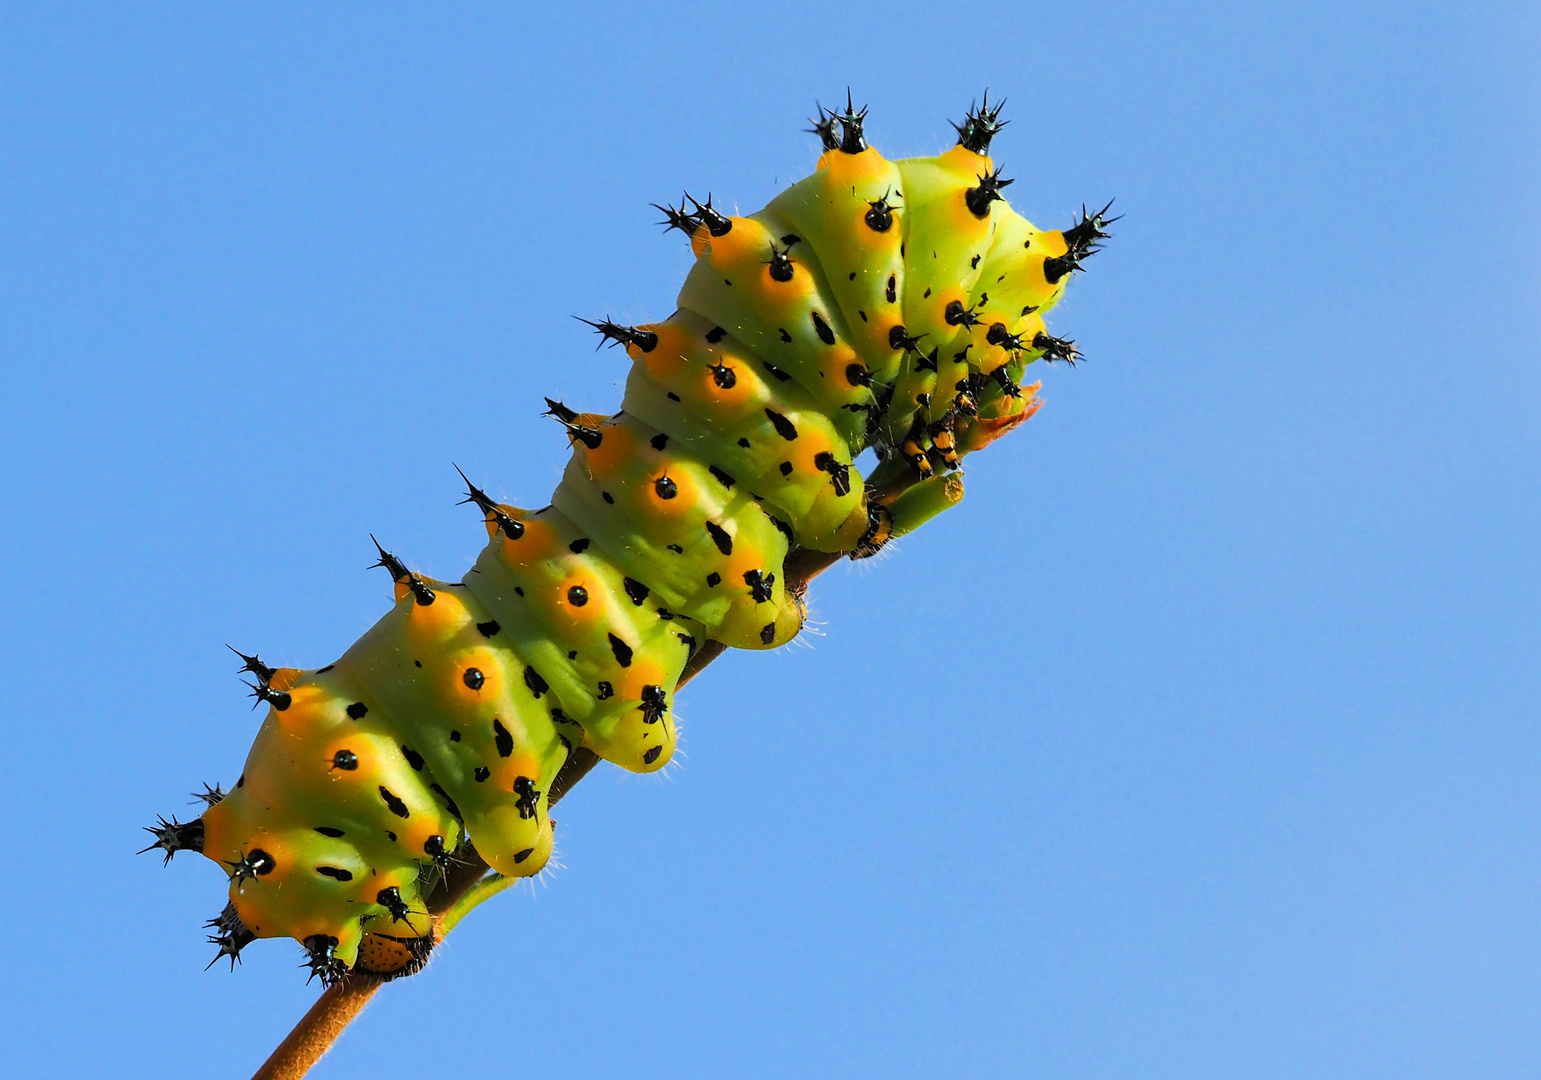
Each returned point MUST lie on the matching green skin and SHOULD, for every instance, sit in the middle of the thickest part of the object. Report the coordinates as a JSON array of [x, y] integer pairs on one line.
[[670, 527], [859, 273]]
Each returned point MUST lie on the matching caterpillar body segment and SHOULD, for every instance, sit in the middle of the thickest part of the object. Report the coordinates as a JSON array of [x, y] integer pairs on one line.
[[1013, 270], [851, 213], [891, 305], [951, 230], [783, 310], [700, 382], [945, 234], [576, 618], [705, 544], [303, 836], [437, 675]]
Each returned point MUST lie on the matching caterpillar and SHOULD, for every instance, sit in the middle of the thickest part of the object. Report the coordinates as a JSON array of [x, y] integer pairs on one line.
[[875, 304]]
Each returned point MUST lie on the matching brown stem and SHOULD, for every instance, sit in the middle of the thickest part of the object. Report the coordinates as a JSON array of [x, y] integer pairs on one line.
[[318, 1029], [339, 1004]]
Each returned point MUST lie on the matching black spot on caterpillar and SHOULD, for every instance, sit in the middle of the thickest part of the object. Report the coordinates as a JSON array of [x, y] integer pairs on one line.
[[784, 427], [393, 803], [822, 328], [621, 650], [537, 685], [720, 537]]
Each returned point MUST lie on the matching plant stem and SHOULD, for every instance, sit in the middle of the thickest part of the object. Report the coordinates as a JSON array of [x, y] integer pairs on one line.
[[318, 1029]]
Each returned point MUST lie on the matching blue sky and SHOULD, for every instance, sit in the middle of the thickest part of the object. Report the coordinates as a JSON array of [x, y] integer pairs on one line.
[[1200, 741]]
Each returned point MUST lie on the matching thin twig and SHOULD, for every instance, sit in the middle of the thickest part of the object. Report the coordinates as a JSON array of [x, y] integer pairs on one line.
[[318, 1029]]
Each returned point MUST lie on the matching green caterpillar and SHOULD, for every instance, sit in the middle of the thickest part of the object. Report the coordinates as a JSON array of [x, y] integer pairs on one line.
[[892, 305]]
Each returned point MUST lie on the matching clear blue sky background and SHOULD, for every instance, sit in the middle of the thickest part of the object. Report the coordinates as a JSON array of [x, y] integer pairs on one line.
[[1200, 741]]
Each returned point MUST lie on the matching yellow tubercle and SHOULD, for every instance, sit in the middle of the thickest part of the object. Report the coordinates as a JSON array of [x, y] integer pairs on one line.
[[965, 162], [843, 168]]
